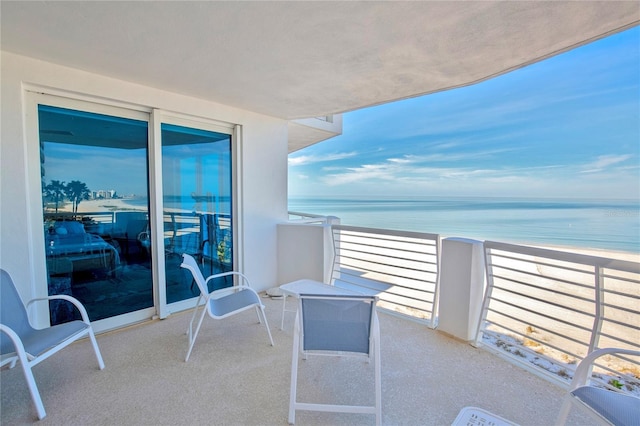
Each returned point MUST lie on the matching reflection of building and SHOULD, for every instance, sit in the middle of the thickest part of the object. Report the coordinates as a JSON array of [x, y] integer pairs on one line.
[[103, 194]]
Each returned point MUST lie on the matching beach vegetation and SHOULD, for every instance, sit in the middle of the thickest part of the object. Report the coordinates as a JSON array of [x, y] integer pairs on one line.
[[77, 191], [55, 191], [615, 383]]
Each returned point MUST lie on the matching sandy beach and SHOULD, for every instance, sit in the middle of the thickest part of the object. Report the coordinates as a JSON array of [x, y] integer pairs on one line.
[[101, 206]]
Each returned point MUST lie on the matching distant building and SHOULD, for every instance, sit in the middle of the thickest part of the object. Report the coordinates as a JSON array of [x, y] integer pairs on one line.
[[103, 194]]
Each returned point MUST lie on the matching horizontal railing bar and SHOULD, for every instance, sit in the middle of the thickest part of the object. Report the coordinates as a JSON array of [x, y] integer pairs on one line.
[[586, 314], [619, 308], [544, 301], [387, 265], [583, 259], [352, 249], [386, 273], [621, 294], [619, 278], [378, 231], [363, 282], [412, 261], [350, 246], [545, 343], [538, 327], [575, 326], [533, 261], [547, 277], [618, 339], [375, 236], [573, 296], [622, 324]]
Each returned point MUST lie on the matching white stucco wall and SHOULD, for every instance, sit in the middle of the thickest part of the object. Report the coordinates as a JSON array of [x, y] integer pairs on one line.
[[263, 155]]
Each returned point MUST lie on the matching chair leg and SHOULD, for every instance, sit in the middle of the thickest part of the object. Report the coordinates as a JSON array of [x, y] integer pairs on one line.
[[192, 340], [564, 410], [94, 342], [378, 384], [294, 373], [258, 307], [266, 324], [33, 389], [195, 311]]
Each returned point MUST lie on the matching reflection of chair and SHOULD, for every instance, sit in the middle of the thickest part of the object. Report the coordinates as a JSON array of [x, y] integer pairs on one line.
[[134, 245], [21, 342], [217, 243], [221, 303], [613, 407], [338, 326]]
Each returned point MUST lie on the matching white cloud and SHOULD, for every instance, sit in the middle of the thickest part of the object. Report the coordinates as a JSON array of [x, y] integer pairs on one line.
[[309, 159], [603, 162]]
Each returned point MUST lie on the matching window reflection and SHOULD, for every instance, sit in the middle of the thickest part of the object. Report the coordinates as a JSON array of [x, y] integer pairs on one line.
[[95, 209], [196, 169]]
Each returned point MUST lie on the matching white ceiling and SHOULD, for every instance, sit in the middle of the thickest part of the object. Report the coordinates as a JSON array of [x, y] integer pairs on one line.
[[305, 59]]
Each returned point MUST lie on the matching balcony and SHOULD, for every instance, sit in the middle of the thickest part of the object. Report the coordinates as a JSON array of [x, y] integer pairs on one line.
[[235, 377], [430, 369]]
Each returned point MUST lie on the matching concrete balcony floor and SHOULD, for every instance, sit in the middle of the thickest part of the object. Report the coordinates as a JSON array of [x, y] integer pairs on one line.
[[234, 377]]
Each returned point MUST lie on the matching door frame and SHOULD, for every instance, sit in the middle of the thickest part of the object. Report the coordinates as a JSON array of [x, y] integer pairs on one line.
[[158, 117], [33, 96]]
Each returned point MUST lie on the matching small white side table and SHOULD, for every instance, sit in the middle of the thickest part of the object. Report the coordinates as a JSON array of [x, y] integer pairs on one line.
[[296, 288], [474, 416]]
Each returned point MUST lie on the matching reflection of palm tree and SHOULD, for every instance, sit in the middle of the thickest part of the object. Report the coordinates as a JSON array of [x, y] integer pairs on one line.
[[77, 191], [55, 190]]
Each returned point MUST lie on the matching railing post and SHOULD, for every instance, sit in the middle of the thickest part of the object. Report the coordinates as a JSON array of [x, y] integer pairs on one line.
[[461, 287], [599, 310]]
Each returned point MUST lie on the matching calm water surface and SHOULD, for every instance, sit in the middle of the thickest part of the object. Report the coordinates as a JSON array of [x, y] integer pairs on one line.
[[600, 224]]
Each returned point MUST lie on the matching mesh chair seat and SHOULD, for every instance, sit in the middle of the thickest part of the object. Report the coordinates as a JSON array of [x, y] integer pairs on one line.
[[234, 302], [38, 341], [617, 408]]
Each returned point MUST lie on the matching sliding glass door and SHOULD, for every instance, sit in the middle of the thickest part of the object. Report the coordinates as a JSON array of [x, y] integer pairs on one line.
[[196, 206], [95, 208], [125, 193]]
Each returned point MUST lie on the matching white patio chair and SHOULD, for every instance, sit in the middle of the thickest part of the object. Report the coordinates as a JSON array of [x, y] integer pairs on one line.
[[336, 325], [19, 341], [607, 406], [221, 303]]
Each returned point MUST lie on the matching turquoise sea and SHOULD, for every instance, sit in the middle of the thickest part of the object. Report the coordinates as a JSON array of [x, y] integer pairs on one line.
[[598, 224]]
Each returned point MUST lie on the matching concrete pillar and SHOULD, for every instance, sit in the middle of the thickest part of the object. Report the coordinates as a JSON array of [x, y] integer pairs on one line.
[[304, 251], [462, 280]]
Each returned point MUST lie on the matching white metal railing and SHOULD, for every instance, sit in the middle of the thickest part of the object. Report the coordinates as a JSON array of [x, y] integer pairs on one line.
[[543, 309], [549, 309], [402, 268], [309, 218]]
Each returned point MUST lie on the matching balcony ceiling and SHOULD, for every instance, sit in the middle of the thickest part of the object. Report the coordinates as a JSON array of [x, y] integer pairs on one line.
[[305, 59]]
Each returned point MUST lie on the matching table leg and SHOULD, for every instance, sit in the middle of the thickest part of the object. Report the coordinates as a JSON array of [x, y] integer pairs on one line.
[[284, 305]]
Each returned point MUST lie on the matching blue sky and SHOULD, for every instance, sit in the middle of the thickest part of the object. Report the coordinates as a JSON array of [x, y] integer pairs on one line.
[[566, 127]]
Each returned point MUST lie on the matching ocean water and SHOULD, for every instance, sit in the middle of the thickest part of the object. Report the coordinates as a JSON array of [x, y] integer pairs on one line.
[[597, 224]]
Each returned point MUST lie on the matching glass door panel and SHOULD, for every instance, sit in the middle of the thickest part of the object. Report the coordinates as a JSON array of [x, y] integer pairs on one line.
[[197, 206], [96, 211]]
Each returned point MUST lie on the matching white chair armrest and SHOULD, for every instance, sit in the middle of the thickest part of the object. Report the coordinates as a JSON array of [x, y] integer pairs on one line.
[[71, 299], [583, 371], [242, 285], [243, 282], [17, 344]]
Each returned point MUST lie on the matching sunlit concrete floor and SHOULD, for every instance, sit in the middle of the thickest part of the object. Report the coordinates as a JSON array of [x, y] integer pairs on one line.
[[234, 377]]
